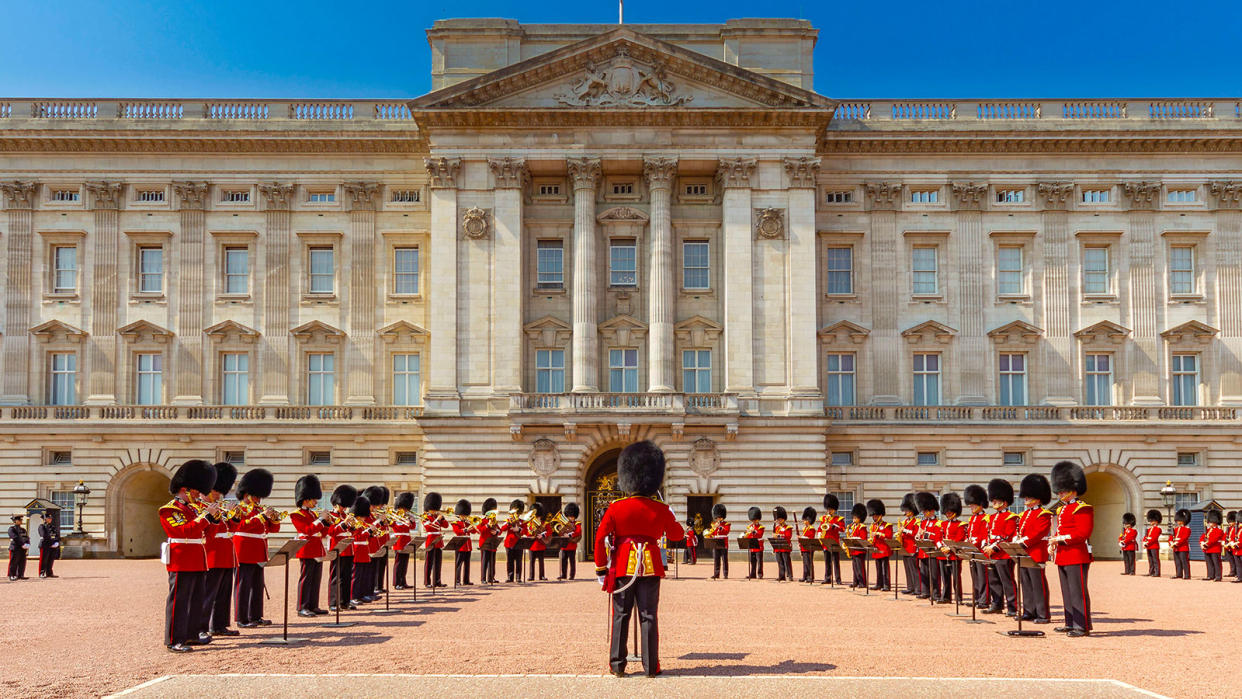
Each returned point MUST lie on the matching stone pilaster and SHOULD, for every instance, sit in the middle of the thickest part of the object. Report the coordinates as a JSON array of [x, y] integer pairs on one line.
[[193, 295], [106, 296], [885, 340], [510, 175], [972, 362], [1228, 252], [585, 174], [363, 317], [733, 176], [279, 296], [1145, 296], [1058, 362], [803, 342], [662, 301], [19, 293], [442, 395]]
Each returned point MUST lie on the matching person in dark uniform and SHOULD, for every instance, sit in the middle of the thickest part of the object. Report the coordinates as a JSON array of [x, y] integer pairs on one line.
[[1179, 544], [877, 533], [341, 569], [488, 532], [951, 529], [19, 546], [221, 559], [976, 498], [513, 529], [310, 527], [628, 564], [250, 543], [908, 534], [1002, 526], [1151, 542], [929, 530], [1072, 542], [1127, 541], [433, 524], [831, 525], [754, 531], [1034, 526], [569, 553], [537, 529], [185, 553], [402, 539], [461, 557], [1211, 542], [719, 530], [49, 544], [784, 552], [378, 495], [808, 555]]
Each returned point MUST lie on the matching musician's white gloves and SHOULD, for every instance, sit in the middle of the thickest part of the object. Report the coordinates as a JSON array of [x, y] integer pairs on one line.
[[673, 512], [603, 580]]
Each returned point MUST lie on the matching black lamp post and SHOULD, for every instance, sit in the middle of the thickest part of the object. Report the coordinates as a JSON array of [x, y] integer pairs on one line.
[[80, 493], [1169, 494]]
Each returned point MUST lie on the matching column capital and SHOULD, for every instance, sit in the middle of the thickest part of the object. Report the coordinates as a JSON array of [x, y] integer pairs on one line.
[[802, 172], [1056, 195], [735, 172], [278, 197], [1142, 195], [660, 172], [1228, 194], [883, 196], [191, 196], [585, 172], [19, 194], [509, 173], [443, 172], [105, 195], [969, 195], [361, 196]]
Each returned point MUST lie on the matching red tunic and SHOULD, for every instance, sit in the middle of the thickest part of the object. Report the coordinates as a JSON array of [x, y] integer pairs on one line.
[[634, 526], [512, 529], [576, 530], [250, 539], [952, 530], [977, 529], [928, 530], [1211, 539], [808, 532], [1034, 526], [831, 526], [432, 526], [187, 550], [1076, 521], [908, 534], [720, 531], [309, 529], [461, 528], [1128, 539], [400, 534], [362, 543], [1151, 538], [1180, 538], [878, 530], [487, 531], [220, 553], [856, 530], [754, 531], [1002, 526], [538, 531], [783, 531], [692, 539], [338, 530]]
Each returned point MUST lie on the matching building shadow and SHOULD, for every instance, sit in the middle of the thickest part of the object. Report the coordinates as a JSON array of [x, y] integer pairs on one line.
[[785, 667], [713, 656], [1159, 633]]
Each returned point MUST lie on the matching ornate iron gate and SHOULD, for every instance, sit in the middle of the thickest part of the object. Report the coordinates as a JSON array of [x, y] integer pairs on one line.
[[600, 495]]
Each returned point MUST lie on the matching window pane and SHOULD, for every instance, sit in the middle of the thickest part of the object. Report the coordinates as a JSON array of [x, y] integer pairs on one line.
[[65, 278], [405, 379], [550, 263], [150, 385], [322, 266], [623, 264], [695, 266], [151, 270], [236, 270], [405, 271], [840, 270]]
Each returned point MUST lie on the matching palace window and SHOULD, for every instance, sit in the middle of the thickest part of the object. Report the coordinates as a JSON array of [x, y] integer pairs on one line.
[[149, 196], [695, 265], [845, 501], [1182, 196], [406, 384], [319, 458], [150, 270], [235, 196], [149, 387], [237, 458], [407, 458], [323, 197], [405, 271], [1013, 379], [840, 270], [623, 263], [62, 378], [926, 379], [695, 189], [842, 458], [924, 196], [550, 264], [237, 270], [1096, 279], [235, 378], [1013, 458], [1182, 270], [549, 371], [66, 195], [406, 196], [838, 196], [1185, 379], [1096, 196], [64, 499], [320, 378], [924, 266], [1010, 277], [623, 189], [1098, 379], [1188, 458], [1011, 195], [840, 369], [928, 458], [623, 371], [696, 371], [322, 269], [64, 269]]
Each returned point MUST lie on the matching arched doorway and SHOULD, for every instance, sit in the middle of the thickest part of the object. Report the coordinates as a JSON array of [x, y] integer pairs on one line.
[[1110, 498], [601, 490], [138, 497]]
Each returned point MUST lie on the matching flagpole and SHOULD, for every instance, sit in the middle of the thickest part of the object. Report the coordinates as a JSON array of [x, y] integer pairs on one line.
[[620, 11]]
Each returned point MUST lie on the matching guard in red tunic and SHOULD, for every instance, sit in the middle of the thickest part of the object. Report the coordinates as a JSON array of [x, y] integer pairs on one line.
[[379, 496], [537, 529], [1034, 527], [1179, 543], [1127, 541], [808, 555], [1071, 547], [929, 530], [311, 528], [627, 555], [185, 553], [401, 540], [1231, 546], [433, 545], [512, 528], [341, 569], [361, 587], [782, 552], [221, 559], [569, 553], [754, 531], [461, 557], [488, 532], [877, 533], [720, 532], [952, 529], [907, 534], [1002, 526], [1210, 543], [250, 543], [857, 529], [831, 525], [692, 541], [976, 498], [1151, 542]]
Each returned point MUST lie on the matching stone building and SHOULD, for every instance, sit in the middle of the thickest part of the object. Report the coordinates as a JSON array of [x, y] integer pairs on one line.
[[588, 235]]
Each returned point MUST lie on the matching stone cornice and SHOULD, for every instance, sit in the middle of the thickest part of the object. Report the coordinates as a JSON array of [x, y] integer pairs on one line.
[[191, 196], [361, 196], [213, 143], [443, 172], [509, 173], [584, 173], [278, 197], [802, 172], [604, 117], [106, 195], [1036, 143], [735, 172], [19, 194], [659, 172]]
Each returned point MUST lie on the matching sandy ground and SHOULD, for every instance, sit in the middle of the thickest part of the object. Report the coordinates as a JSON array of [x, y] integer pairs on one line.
[[97, 630]]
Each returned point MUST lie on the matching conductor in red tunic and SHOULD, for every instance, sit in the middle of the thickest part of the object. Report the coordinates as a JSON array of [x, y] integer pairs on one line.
[[1072, 540], [627, 555]]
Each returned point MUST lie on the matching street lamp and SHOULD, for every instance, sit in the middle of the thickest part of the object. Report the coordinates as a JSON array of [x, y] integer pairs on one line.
[[80, 493], [1169, 494]]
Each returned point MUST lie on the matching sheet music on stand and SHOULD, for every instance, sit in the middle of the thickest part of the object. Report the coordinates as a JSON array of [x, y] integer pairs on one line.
[[780, 544], [282, 557], [1022, 559], [898, 552], [970, 553]]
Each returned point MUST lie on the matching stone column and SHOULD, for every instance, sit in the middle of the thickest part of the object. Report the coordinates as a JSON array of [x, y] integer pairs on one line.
[[510, 175], [661, 302], [193, 295], [972, 357], [1145, 295], [19, 292], [107, 297], [1228, 254], [887, 357], [733, 176], [279, 296], [585, 173], [362, 323], [803, 342], [442, 395], [1058, 362]]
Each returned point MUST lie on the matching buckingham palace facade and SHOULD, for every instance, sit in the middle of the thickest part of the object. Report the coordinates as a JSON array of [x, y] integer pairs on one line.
[[587, 235]]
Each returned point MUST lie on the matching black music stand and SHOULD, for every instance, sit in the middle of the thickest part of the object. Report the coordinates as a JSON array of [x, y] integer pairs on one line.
[[929, 548], [811, 545], [282, 558], [969, 552], [1022, 560], [956, 549], [377, 556], [782, 545], [746, 545], [714, 544], [899, 556], [455, 544], [858, 547], [333, 555], [833, 546], [675, 546]]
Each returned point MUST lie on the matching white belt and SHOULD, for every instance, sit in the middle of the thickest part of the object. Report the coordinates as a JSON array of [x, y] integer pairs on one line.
[[305, 537], [225, 535], [248, 535], [187, 541]]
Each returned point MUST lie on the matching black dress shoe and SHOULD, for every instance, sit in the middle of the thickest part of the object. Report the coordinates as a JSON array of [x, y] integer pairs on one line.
[[204, 637], [52, 576], [179, 648], [398, 587], [654, 674], [306, 612], [332, 607], [991, 610], [1078, 633], [353, 603], [617, 673], [1027, 617], [1063, 629], [195, 642], [248, 624], [264, 622], [467, 584], [319, 612], [226, 632], [1041, 621]]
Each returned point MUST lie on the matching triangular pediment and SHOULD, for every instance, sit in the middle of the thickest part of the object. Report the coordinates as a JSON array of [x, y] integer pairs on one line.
[[57, 330], [317, 331], [929, 331], [144, 331], [1103, 331], [621, 70], [228, 329], [697, 331], [548, 332], [842, 332], [403, 331], [1017, 332], [1191, 331], [622, 330]]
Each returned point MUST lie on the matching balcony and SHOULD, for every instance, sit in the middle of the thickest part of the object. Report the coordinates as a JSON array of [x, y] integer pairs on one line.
[[1114, 111], [1028, 414], [216, 413], [624, 403]]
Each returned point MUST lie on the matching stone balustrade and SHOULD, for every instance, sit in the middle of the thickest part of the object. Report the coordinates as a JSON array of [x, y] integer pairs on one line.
[[1028, 413], [221, 413], [205, 110], [625, 403], [1162, 110]]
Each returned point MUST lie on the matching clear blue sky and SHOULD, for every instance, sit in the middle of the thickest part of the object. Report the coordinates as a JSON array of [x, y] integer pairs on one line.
[[310, 48]]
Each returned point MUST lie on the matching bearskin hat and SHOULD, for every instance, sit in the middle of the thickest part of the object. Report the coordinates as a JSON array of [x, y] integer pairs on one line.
[[778, 512], [1034, 485], [537, 508], [571, 510], [1000, 489], [374, 495], [362, 507], [257, 482], [1155, 516], [1068, 476], [876, 507], [1129, 518], [405, 501], [517, 506], [859, 512], [831, 502], [754, 513], [344, 495], [1232, 516], [926, 501], [462, 508], [975, 495], [226, 475], [808, 515], [951, 503], [907, 504], [432, 501], [194, 474], [1212, 516], [489, 505], [640, 468], [307, 488], [1182, 515], [719, 511]]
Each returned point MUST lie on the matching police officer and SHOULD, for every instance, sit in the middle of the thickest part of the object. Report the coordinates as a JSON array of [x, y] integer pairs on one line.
[[49, 545], [19, 544]]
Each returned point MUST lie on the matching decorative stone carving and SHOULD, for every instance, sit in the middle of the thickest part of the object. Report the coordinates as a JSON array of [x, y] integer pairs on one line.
[[802, 172], [770, 223], [843, 332], [1104, 332], [403, 333], [697, 331], [545, 458], [735, 172], [277, 197], [362, 195], [191, 195], [230, 331], [704, 457], [144, 332], [1190, 333], [659, 172], [317, 332], [928, 332], [474, 223], [509, 173], [548, 332], [970, 195], [622, 82], [443, 171], [678, 430], [19, 195], [883, 196], [584, 173], [622, 213], [1056, 195], [1016, 333], [623, 331], [106, 195], [56, 331], [1142, 195], [1228, 194]]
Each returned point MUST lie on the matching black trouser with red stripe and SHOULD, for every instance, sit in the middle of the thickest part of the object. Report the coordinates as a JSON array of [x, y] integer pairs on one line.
[[784, 565], [645, 594], [979, 581], [513, 563], [953, 580], [379, 572], [1213, 565], [1034, 593], [217, 599], [340, 575], [461, 567], [363, 584], [569, 564], [536, 556], [720, 560], [399, 569], [431, 567], [487, 566], [1153, 562], [248, 593], [1181, 564], [47, 556], [808, 566], [309, 578], [944, 580], [911, 565], [756, 565], [1074, 596], [184, 606], [17, 563], [1002, 587], [832, 567], [1128, 558], [882, 574]]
